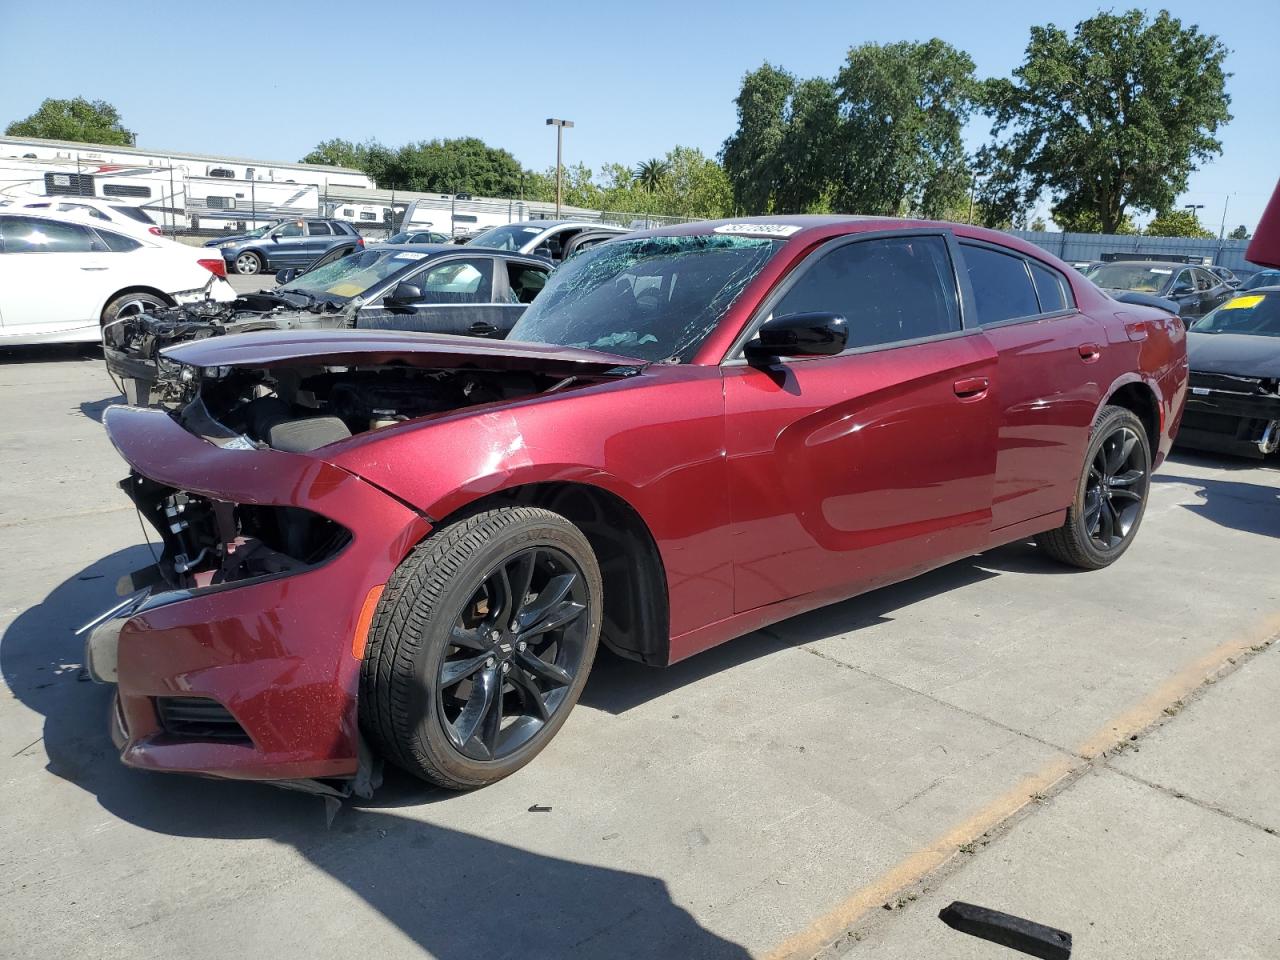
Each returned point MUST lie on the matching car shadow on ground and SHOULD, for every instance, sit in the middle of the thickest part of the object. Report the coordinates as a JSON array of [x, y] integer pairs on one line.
[[1236, 504], [455, 894], [51, 353], [618, 685]]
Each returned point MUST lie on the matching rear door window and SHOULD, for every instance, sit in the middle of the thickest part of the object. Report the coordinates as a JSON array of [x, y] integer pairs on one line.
[[891, 290], [317, 229], [117, 242], [1051, 288], [1002, 287], [30, 235], [525, 282]]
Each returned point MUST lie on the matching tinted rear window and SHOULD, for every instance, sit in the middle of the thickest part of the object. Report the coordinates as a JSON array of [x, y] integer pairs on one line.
[[1051, 288], [118, 243], [133, 213], [1002, 288]]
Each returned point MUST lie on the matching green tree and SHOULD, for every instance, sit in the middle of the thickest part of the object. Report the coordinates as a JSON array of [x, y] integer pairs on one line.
[[808, 156], [1038, 225], [463, 165], [1239, 233], [650, 174], [369, 157], [903, 107], [78, 119], [1087, 222], [752, 156], [1112, 118], [1178, 223]]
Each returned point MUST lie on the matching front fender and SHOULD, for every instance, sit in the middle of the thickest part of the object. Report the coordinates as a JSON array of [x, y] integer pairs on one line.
[[657, 445]]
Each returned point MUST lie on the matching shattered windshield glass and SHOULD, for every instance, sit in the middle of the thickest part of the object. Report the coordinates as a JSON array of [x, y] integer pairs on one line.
[[353, 275], [653, 298]]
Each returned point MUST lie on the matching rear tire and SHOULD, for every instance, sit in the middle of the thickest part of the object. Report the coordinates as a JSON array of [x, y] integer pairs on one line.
[[449, 689], [1111, 497], [132, 303], [249, 263]]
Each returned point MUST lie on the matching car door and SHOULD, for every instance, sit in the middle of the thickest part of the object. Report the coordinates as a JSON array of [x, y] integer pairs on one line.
[[1182, 291], [1213, 290], [1048, 397], [53, 276], [453, 293], [287, 246], [518, 282], [850, 471]]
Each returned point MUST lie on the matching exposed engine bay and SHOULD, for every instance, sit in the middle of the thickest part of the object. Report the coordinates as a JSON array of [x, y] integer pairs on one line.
[[297, 409]]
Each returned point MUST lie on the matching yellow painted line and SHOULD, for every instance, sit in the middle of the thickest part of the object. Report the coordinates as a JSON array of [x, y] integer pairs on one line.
[[919, 864]]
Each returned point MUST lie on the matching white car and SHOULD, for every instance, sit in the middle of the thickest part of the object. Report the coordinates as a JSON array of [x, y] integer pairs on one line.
[[118, 213], [63, 278]]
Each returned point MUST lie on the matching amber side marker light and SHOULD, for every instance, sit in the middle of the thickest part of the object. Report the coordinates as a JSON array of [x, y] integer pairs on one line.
[[360, 639]]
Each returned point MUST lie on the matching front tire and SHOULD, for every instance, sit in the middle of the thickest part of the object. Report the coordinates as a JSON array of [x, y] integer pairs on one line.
[[481, 645], [1111, 497], [249, 263]]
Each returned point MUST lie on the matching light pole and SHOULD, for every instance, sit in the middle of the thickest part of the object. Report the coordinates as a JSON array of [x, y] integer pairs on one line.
[[559, 125]]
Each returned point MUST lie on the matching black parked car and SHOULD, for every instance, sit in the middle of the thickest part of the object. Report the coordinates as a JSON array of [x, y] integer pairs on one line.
[[1195, 290], [428, 288], [1234, 402], [288, 243]]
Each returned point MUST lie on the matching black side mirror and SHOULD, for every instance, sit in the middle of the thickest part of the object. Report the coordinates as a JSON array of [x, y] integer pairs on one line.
[[799, 335], [1182, 289], [284, 276], [405, 294]]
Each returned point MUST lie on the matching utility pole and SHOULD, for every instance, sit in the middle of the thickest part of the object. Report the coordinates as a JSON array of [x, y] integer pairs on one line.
[[559, 125], [1222, 230]]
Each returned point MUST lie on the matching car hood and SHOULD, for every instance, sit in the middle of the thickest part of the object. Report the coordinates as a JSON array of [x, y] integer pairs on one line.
[[218, 241], [1234, 353], [369, 347]]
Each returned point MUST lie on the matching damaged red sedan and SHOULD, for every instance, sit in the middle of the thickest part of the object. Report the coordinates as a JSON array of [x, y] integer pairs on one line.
[[381, 544]]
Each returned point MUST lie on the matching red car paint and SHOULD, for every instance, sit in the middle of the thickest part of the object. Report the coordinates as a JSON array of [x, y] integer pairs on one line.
[[767, 493]]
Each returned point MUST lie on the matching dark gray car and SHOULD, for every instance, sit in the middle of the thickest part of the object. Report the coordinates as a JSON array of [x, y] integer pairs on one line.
[[1194, 289], [289, 243]]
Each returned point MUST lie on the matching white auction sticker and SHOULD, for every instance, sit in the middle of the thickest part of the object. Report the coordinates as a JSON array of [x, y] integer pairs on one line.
[[409, 256], [762, 229]]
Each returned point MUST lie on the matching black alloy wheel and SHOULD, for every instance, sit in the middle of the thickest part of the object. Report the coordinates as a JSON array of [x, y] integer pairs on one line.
[[1116, 487], [480, 646], [513, 653], [1111, 494]]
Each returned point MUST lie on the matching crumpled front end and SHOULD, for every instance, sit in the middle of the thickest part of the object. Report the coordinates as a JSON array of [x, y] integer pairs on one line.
[[238, 653], [1232, 414], [132, 344]]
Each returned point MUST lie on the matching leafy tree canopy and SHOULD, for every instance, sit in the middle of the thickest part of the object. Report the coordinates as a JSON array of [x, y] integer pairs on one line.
[[1111, 118], [78, 119], [1178, 223], [1239, 233]]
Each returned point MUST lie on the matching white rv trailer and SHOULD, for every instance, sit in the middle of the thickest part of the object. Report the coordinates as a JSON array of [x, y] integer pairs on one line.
[[177, 189]]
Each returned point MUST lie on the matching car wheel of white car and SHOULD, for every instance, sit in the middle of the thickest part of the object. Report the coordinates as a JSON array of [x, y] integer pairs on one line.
[[131, 304], [248, 263]]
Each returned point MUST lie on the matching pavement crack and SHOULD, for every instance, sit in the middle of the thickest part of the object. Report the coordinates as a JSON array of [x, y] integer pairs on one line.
[[1194, 801], [938, 700]]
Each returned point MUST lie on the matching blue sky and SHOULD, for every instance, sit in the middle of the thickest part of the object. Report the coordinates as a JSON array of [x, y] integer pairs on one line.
[[637, 78]]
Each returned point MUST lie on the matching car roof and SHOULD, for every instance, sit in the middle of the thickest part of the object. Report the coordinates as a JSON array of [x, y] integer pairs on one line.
[[810, 228], [130, 228]]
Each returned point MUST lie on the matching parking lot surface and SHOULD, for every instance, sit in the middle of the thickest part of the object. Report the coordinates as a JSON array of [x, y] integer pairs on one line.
[[1003, 731]]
